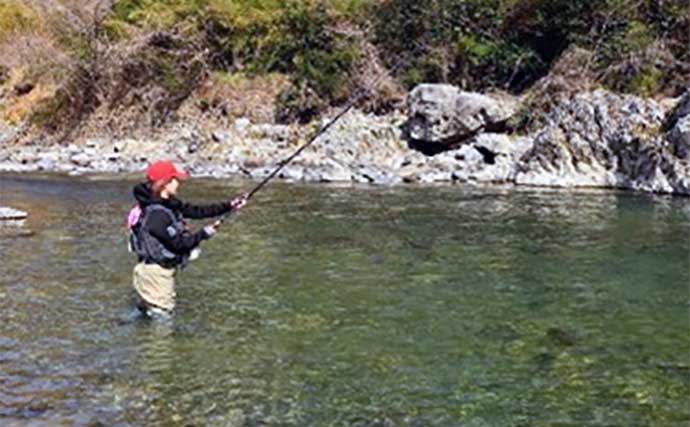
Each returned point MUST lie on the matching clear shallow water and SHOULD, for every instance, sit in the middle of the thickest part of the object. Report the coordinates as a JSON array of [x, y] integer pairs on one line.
[[332, 306]]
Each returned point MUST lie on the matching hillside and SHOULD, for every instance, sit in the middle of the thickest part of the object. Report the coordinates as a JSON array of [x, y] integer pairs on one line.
[[70, 68]]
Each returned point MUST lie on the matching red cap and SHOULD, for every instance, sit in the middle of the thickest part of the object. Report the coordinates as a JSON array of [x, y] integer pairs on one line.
[[165, 170]]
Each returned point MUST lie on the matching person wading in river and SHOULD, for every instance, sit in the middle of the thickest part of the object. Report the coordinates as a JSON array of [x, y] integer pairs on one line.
[[161, 238]]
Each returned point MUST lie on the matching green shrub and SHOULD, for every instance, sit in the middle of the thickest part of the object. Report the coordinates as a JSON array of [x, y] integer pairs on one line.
[[646, 82], [155, 14], [450, 41], [315, 53], [293, 37], [298, 103]]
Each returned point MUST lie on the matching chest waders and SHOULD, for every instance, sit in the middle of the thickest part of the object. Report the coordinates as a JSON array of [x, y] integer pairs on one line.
[[154, 275]]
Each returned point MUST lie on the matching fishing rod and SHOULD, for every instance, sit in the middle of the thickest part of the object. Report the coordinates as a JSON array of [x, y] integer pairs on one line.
[[360, 94]]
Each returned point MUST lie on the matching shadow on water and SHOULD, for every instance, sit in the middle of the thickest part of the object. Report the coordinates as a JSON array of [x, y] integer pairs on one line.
[[353, 306]]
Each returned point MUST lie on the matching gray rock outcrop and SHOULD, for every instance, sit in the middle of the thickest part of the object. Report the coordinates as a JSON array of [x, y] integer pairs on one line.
[[677, 127], [601, 139]]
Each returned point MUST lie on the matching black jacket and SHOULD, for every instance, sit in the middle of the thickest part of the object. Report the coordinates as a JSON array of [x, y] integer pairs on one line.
[[159, 222]]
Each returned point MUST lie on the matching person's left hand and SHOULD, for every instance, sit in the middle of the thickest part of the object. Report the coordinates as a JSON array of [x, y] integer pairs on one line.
[[238, 202]]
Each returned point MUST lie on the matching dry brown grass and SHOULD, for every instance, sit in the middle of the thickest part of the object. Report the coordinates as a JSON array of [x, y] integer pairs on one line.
[[236, 95], [18, 108], [31, 49], [383, 92], [17, 17]]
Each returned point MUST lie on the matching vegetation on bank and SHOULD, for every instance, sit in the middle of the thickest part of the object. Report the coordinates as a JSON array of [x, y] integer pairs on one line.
[[146, 58]]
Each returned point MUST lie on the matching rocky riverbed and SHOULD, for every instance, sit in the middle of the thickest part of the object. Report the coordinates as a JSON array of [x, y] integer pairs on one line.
[[594, 139]]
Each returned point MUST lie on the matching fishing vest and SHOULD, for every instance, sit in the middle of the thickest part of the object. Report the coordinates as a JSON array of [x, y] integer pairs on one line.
[[149, 248]]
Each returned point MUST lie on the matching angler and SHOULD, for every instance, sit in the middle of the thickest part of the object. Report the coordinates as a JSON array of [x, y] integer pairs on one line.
[[159, 235], [162, 239]]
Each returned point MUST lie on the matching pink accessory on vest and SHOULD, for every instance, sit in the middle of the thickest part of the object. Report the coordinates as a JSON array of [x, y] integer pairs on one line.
[[133, 217]]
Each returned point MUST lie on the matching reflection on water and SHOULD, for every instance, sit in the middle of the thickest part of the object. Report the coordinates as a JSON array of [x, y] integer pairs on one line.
[[355, 307]]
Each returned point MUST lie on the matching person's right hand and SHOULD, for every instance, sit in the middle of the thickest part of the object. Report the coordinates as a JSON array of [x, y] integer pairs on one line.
[[211, 229]]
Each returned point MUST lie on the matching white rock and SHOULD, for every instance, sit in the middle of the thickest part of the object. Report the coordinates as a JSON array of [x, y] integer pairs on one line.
[[242, 124], [7, 213]]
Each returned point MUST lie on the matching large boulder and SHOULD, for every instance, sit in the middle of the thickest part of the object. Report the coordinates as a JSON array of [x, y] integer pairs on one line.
[[602, 139], [444, 114]]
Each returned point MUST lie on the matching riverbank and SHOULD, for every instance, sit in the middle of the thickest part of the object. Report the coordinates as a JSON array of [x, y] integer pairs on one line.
[[595, 139]]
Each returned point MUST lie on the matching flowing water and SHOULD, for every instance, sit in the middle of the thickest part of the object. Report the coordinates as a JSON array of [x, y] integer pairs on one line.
[[352, 306]]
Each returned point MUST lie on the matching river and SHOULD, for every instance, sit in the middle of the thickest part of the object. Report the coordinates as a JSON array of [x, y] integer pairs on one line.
[[352, 306]]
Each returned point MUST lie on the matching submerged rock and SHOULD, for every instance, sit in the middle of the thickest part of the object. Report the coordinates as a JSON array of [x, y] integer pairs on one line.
[[561, 336], [13, 232]]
